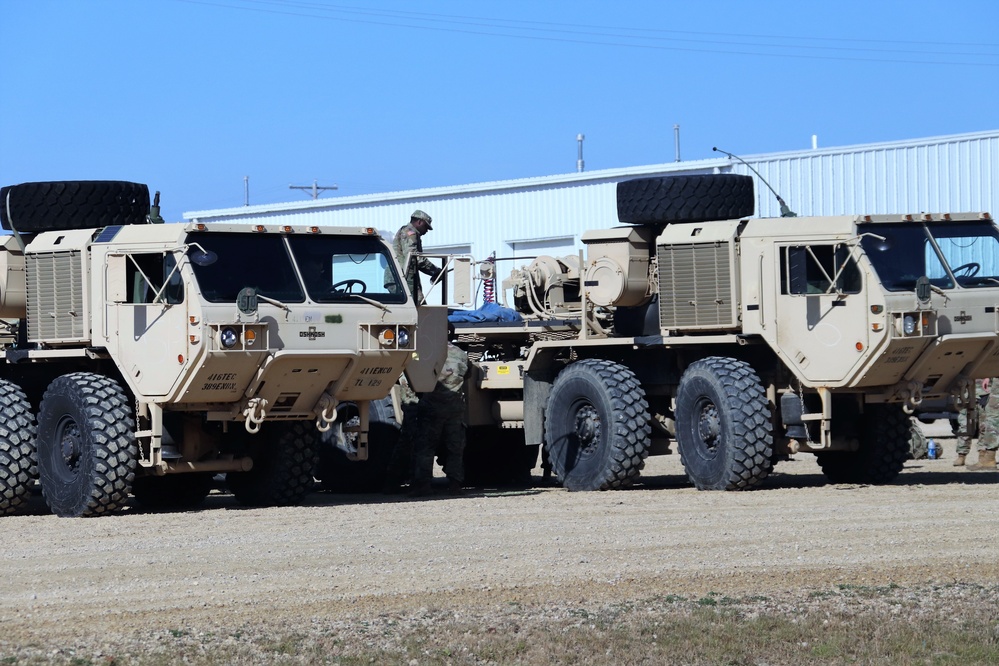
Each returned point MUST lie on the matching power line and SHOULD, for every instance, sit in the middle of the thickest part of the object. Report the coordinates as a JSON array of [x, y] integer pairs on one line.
[[496, 28]]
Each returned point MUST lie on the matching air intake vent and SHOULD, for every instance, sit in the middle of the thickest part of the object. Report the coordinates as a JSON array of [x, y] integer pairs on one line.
[[56, 312], [695, 286]]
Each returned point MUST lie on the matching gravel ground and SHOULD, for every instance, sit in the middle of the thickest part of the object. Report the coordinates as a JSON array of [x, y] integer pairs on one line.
[[340, 559]]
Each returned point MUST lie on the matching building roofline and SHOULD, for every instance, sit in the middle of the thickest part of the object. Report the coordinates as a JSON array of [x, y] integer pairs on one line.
[[614, 174]]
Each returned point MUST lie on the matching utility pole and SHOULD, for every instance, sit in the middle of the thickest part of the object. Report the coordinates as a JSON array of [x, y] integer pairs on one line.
[[246, 190], [315, 189]]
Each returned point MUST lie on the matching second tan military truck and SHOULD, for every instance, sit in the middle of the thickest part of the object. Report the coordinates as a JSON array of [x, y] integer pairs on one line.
[[736, 341]]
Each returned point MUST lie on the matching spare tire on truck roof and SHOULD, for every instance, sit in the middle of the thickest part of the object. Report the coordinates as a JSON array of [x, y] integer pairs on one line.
[[689, 198], [72, 204]]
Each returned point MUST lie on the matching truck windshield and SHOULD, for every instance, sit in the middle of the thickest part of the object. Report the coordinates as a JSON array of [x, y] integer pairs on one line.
[[336, 268], [260, 261], [332, 268], [970, 250]]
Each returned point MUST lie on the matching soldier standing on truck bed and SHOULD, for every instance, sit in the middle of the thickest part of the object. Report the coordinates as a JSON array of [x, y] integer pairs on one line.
[[988, 431], [441, 418], [408, 245]]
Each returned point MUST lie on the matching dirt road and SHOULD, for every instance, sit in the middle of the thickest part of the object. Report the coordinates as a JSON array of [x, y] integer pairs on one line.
[[355, 556]]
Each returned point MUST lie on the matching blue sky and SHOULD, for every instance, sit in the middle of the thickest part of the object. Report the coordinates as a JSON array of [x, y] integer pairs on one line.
[[191, 96]]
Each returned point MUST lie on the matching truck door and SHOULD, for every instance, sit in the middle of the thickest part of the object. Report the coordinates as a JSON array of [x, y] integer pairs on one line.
[[822, 318], [147, 319]]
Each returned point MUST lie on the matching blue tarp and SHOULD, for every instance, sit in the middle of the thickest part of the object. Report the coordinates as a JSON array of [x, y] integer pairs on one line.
[[485, 312]]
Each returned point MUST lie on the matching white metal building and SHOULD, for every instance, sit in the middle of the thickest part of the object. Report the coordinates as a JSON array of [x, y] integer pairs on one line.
[[547, 215]]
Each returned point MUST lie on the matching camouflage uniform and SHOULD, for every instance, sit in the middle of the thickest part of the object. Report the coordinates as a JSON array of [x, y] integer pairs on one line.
[[441, 416], [407, 245], [400, 466], [988, 424]]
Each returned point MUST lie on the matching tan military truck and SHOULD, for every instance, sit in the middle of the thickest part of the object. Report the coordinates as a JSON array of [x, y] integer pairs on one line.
[[738, 340], [147, 358]]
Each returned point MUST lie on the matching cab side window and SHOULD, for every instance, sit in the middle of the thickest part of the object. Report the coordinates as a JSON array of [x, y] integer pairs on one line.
[[145, 276], [819, 269]]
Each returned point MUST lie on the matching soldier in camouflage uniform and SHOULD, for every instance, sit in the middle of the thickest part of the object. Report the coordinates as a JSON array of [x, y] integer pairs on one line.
[[400, 466], [407, 246], [441, 417], [988, 431]]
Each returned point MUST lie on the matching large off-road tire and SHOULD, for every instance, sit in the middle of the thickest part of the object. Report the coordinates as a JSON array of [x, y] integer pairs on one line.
[[723, 426], [73, 204], [86, 445], [339, 474], [691, 198], [284, 460], [884, 447], [597, 430], [18, 465], [172, 492]]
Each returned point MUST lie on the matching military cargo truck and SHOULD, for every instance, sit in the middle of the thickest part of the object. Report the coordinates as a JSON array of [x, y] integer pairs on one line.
[[735, 341], [147, 358]]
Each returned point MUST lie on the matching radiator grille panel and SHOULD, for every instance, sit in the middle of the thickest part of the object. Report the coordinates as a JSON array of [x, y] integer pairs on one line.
[[695, 286], [55, 298]]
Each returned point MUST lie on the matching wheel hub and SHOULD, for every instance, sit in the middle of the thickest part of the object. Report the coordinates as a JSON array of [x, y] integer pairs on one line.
[[70, 444], [709, 426], [587, 428]]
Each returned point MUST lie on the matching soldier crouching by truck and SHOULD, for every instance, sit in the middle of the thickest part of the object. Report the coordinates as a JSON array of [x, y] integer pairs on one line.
[[988, 430], [441, 418]]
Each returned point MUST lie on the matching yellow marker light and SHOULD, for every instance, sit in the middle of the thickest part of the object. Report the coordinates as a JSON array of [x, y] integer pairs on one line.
[[313, 230], [259, 227], [288, 229], [386, 337], [200, 226], [875, 327], [877, 309], [250, 336]]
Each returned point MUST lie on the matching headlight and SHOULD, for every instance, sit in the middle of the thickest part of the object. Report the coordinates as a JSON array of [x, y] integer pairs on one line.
[[228, 337], [908, 324], [403, 337]]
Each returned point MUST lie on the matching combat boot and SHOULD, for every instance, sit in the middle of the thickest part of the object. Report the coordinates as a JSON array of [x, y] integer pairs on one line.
[[959, 460], [421, 490], [986, 461]]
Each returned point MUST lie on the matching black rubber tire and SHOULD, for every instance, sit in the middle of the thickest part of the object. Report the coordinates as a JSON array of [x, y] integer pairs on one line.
[[884, 447], [498, 457], [283, 464], [692, 198], [597, 430], [723, 426], [86, 445], [18, 464], [172, 492], [73, 204], [337, 473]]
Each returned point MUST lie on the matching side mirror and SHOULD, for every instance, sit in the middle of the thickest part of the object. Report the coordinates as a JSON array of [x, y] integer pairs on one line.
[[923, 289]]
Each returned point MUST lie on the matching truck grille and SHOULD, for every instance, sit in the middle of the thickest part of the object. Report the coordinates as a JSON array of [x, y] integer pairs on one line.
[[55, 298], [695, 286]]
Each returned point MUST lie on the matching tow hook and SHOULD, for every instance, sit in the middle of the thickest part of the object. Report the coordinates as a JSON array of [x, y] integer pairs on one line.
[[326, 408], [255, 414]]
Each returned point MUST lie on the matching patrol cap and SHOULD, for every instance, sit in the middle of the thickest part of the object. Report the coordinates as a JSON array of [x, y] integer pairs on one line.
[[420, 215]]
